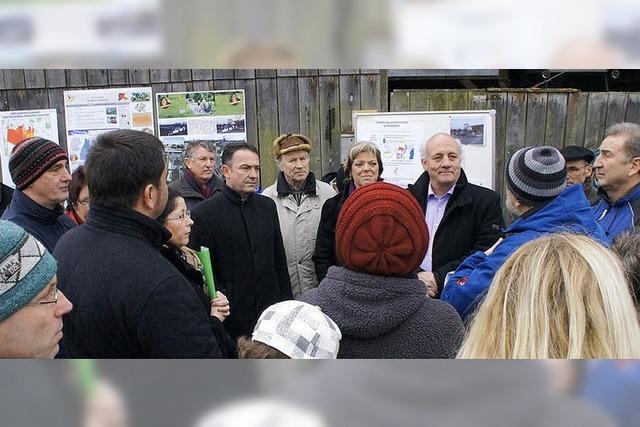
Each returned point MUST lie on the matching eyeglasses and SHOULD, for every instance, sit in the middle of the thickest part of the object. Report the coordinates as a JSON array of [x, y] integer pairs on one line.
[[52, 298], [184, 215]]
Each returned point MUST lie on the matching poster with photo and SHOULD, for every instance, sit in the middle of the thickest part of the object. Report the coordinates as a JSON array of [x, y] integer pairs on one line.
[[20, 125], [216, 116], [88, 113]]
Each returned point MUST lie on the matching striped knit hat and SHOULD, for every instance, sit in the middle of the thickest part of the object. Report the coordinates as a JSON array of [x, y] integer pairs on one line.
[[537, 173], [31, 158], [26, 268]]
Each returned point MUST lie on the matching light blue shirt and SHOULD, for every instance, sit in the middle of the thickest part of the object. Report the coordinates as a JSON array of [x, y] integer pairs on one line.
[[436, 206]]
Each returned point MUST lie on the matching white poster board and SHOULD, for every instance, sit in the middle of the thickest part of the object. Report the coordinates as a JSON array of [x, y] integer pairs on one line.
[[217, 116], [399, 136], [89, 113], [17, 126]]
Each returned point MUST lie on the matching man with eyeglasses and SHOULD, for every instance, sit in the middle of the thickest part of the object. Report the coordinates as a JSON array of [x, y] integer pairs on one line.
[[38, 167], [199, 181], [580, 170]]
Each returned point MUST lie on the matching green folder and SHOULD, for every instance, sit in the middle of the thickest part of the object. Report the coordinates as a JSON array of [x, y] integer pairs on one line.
[[205, 259]]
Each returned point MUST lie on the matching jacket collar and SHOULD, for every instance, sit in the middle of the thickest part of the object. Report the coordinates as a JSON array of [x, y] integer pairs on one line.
[[234, 196], [128, 222], [30, 208], [632, 194], [461, 195], [284, 189]]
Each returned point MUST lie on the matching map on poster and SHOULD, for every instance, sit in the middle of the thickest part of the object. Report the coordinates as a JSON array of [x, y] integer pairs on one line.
[[17, 126], [217, 116], [399, 136], [88, 113]]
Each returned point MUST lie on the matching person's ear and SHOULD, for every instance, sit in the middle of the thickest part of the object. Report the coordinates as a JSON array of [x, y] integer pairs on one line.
[[226, 171], [589, 170], [635, 166], [150, 196]]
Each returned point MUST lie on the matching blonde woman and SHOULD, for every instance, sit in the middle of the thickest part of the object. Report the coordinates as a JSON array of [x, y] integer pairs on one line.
[[560, 296]]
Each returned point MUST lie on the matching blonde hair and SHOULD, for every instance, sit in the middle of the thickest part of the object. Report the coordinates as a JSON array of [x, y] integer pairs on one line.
[[560, 296], [359, 148]]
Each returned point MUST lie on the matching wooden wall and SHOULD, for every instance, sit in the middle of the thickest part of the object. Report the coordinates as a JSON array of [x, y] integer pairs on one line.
[[524, 117], [317, 103]]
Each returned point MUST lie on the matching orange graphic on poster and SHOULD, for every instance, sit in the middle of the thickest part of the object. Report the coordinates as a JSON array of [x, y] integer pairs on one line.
[[19, 134]]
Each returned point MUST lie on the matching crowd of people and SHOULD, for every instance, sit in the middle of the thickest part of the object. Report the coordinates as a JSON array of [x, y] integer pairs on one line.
[[304, 271]]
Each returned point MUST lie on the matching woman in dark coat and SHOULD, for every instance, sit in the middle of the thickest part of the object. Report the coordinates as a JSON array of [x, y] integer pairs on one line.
[[364, 166], [177, 219]]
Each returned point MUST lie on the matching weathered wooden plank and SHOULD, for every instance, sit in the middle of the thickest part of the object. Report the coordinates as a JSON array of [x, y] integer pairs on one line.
[[459, 100], [37, 99], [349, 100], [182, 87], [160, 88], [440, 100], [14, 79], [617, 105], [384, 91], [478, 99], [418, 100], [2, 79], [306, 72], [328, 87], [516, 122], [55, 78], [245, 73], [17, 99], [181, 75], [576, 118], [34, 79], [223, 74], [97, 77], [251, 113], [160, 76], [139, 77], [309, 113], [370, 92], [76, 78], [289, 121], [346, 71], [498, 101], [369, 71], [329, 72], [4, 102], [118, 77], [399, 101], [56, 100], [596, 116], [556, 119], [267, 107], [202, 74], [224, 84], [287, 72], [536, 117], [202, 85], [633, 108], [265, 73]]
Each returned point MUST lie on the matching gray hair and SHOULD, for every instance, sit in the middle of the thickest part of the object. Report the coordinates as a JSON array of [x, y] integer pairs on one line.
[[423, 147], [191, 147], [631, 132]]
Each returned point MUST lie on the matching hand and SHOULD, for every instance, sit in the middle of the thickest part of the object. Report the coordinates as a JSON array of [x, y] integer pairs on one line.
[[220, 307], [429, 280], [492, 248], [105, 407]]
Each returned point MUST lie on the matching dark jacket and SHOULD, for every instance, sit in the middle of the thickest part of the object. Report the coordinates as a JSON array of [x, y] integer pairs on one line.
[[386, 317], [472, 222], [129, 301], [569, 211], [196, 280], [324, 255], [6, 193], [46, 225], [190, 194], [619, 216], [248, 256]]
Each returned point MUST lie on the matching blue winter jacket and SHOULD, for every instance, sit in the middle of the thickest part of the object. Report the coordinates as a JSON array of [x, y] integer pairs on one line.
[[619, 216], [46, 225], [569, 211]]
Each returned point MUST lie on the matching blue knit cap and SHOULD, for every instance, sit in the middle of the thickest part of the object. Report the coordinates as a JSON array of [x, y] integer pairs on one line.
[[26, 268]]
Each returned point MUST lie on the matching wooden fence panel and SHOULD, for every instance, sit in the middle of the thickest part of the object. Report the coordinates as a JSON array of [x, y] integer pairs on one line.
[[596, 116], [536, 114], [288, 114], [328, 87], [556, 119], [309, 105], [267, 96], [616, 107], [576, 119], [349, 100]]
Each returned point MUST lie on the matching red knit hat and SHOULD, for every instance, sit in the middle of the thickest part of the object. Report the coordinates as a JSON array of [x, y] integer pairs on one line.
[[381, 230]]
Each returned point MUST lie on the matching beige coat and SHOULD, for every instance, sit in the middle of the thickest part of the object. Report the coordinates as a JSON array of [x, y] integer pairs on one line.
[[299, 225]]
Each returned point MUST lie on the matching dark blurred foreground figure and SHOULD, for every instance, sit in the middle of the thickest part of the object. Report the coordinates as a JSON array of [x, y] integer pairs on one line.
[[418, 393], [6, 193], [627, 246], [131, 302], [376, 298]]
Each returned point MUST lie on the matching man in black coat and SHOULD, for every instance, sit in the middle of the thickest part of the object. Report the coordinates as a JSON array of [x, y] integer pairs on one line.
[[131, 301], [462, 218], [242, 231]]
